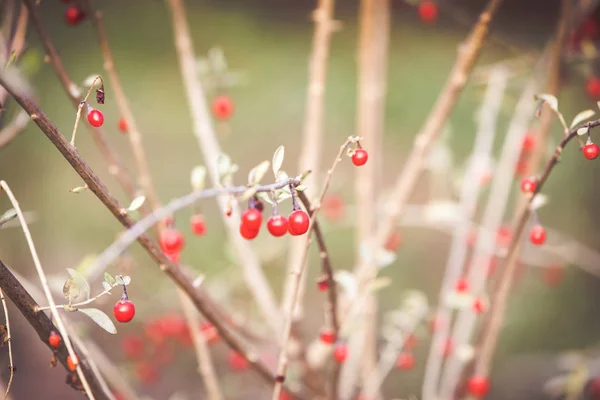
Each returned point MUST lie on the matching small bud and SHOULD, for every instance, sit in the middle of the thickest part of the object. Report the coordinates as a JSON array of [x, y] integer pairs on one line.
[[100, 94]]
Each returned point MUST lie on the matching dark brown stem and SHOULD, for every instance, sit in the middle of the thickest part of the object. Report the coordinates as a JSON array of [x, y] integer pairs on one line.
[[42, 324], [202, 301]]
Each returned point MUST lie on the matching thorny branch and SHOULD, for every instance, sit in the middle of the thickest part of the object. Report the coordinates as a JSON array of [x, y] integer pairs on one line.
[[11, 364]]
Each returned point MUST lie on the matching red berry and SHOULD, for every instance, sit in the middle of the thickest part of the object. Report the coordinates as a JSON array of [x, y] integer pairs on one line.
[[174, 257], [132, 346], [173, 325], [146, 373], [393, 241], [222, 107], [333, 207], [529, 142], [522, 168], [74, 15], [428, 11], [327, 336], [211, 335], [410, 342], [124, 310], [323, 283], [592, 86], [340, 353], [537, 235], [462, 285], [54, 339], [528, 185], [277, 225], [478, 386], [237, 362], [479, 305], [72, 362], [246, 233], [171, 241], [154, 331], [591, 151], [405, 361], [198, 225], [252, 218], [95, 118], [298, 222], [360, 157], [123, 125]]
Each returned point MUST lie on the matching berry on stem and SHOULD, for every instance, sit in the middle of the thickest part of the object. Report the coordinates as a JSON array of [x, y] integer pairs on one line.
[[478, 386], [340, 353], [479, 305], [277, 225], [72, 362], [246, 233], [528, 185], [428, 11], [74, 15], [327, 336], [360, 157], [54, 339], [298, 222], [198, 225], [323, 283], [171, 241], [124, 311], [537, 235], [95, 118], [591, 150], [462, 285], [222, 107], [405, 361], [252, 219]]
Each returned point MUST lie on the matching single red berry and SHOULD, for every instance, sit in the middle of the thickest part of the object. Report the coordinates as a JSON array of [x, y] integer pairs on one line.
[[171, 241], [428, 11], [54, 339], [298, 222], [591, 151], [333, 207], [246, 233], [528, 185], [592, 86], [479, 305], [285, 396], [123, 125], [323, 283], [537, 235], [393, 242], [132, 346], [95, 118], [237, 362], [360, 157], [211, 335], [74, 15], [277, 225], [198, 225], [72, 362], [462, 285], [124, 310], [478, 386], [405, 361], [327, 336], [146, 373], [222, 107], [340, 353], [529, 142], [252, 218]]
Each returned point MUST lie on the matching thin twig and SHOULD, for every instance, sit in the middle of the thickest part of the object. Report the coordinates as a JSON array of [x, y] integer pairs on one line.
[[11, 364], [204, 133], [297, 274], [500, 298], [133, 133], [44, 282], [205, 304], [205, 364], [41, 323], [83, 303]]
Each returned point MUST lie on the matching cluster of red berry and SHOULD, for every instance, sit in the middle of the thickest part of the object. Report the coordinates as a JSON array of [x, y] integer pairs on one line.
[[278, 225], [54, 340], [171, 240], [74, 15]]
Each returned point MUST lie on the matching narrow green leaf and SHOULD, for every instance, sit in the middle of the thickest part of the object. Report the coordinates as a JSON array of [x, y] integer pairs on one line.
[[136, 203], [582, 116], [251, 191], [8, 216], [278, 157], [109, 279], [106, 285], [101, 319], [264, 197], [257, 173]]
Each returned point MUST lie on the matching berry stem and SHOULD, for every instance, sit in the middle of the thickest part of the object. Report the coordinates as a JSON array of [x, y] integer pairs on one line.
[[275, 204], [124, 297], [295, 205], [77, 118]]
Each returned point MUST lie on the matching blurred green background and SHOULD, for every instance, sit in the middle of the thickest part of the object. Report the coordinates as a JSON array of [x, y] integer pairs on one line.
[[269, 41]]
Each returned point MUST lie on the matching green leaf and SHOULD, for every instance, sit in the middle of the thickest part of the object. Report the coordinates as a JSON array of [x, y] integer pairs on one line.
[[78, 189], [263, 196], [251, 191], [8, 216], [300, 188], [109, 279], [198, 177], [78, 284], [106, 285], [305, 174], [582, 116], [257, 173], [278, 159], [552, 101], [136, 203], [100, 318]]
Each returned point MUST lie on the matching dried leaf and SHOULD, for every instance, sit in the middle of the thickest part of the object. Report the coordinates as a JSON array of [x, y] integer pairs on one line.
[[100, 318], [257, 173], [552, 101], [582, 116], [136, 203], [278, 159], [80, 281]]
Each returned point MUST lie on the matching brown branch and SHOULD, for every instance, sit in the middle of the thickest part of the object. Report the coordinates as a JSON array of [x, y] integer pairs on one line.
[[134, 135], [115, 164], [500, 298], [42, 324], [200, 298]]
